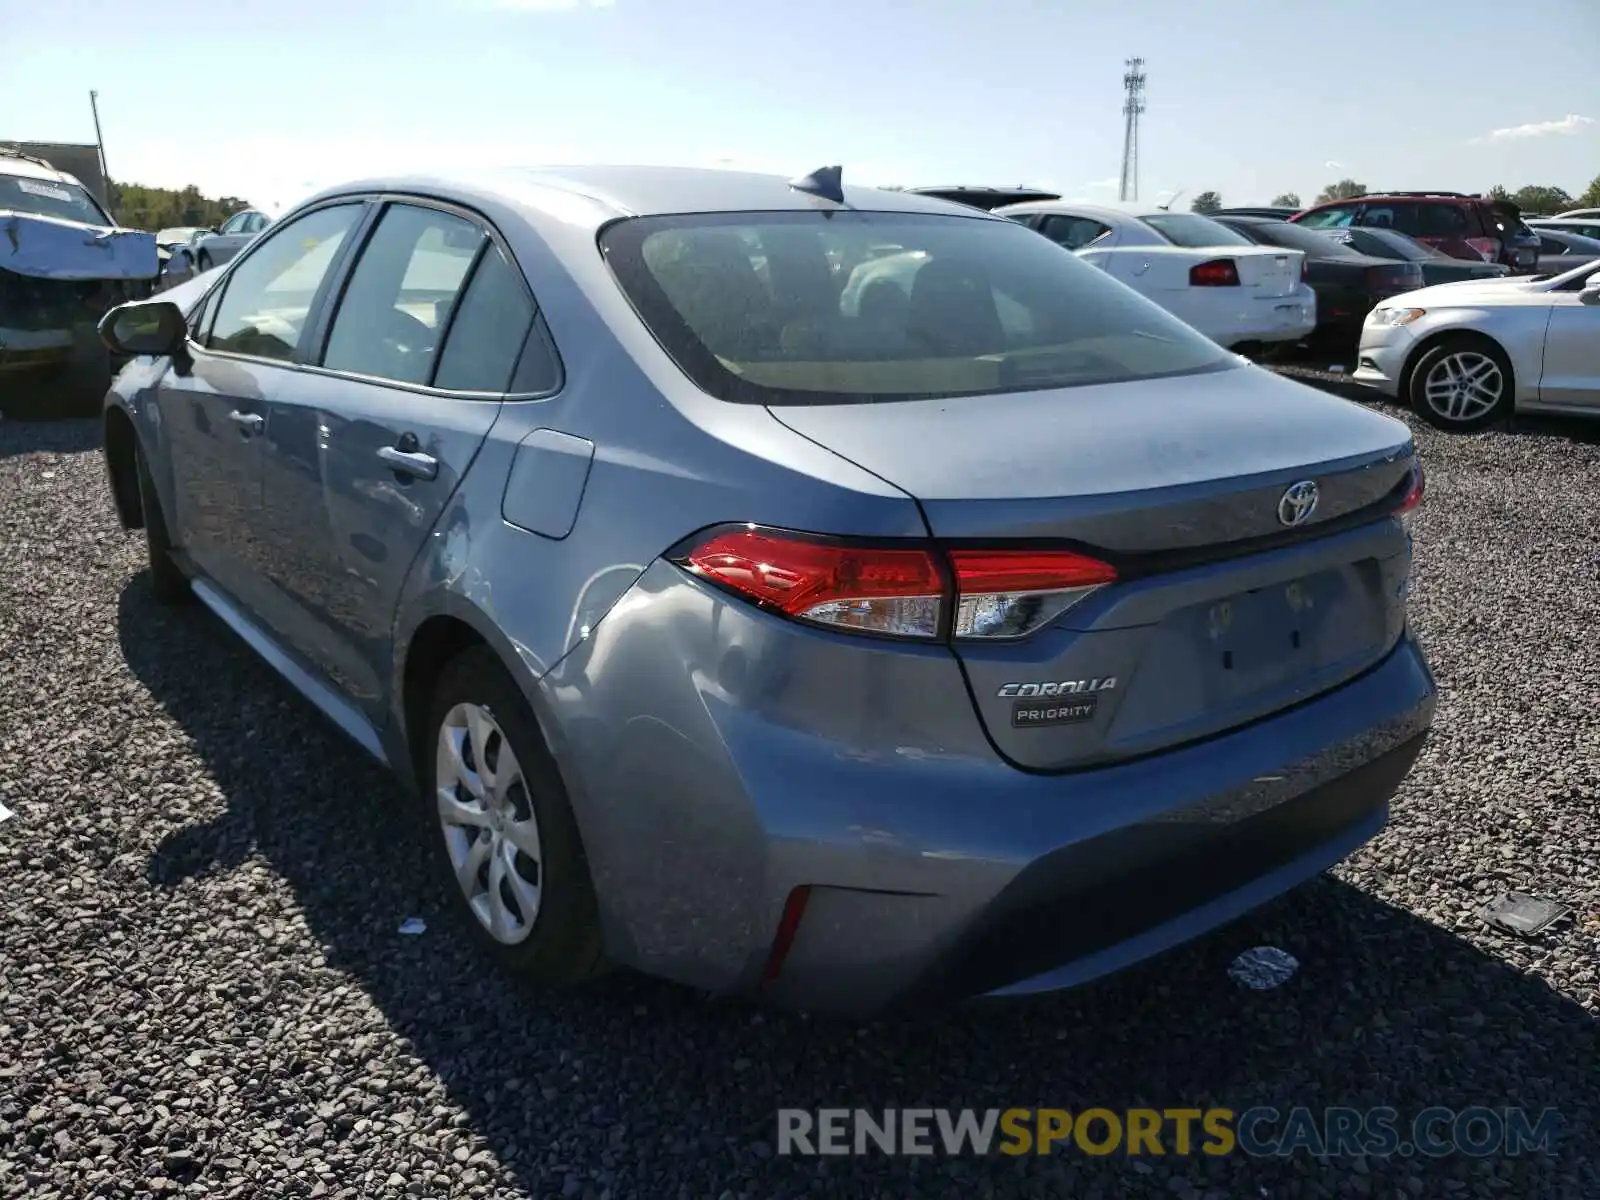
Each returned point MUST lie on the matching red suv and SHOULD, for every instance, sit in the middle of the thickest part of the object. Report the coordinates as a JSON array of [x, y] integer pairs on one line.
[[1462, 226]]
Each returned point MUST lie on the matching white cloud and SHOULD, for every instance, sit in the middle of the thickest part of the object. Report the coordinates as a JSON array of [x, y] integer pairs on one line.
[[1569, 124]]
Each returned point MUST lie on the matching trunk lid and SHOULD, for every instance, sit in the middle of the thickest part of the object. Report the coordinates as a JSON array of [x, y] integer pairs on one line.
[[1221, 613], [1268, 271]]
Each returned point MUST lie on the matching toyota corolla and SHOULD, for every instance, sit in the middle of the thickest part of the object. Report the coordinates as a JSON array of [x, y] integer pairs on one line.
[[851, 647]]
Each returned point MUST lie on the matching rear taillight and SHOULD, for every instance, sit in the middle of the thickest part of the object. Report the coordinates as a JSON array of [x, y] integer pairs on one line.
[[873, 589], [1413, 496], [1396, 277], [1009, 593], [1219, 272], [896, 591]]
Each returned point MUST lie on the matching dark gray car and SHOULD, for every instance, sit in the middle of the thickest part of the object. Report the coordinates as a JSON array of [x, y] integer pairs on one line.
[[1436, 266], [1563, 249], [990, 636]]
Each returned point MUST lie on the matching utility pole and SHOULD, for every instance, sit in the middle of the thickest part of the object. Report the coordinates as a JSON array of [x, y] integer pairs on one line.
[[100, 141], [1132, 106]]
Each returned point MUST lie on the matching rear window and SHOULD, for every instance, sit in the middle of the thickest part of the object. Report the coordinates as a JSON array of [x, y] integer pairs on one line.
[[1292, 237], [852, 307], [1191, 229], [1389, 243]]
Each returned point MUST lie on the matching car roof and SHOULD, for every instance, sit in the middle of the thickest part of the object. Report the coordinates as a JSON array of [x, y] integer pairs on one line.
[[596, 195], [1570, 236], [1124, 210], [1561, 222], [31, 168]]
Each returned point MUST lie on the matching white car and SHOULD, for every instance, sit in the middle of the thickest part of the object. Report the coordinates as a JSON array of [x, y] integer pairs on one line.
[[1235, 292], [1464, 354], [1584, 214]]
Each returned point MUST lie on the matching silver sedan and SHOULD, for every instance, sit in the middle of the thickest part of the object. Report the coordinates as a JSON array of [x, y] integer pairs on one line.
[[1466, 354]]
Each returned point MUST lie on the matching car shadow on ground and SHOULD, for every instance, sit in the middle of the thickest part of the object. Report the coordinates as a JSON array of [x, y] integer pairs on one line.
[[54, 437], [641, 1082]]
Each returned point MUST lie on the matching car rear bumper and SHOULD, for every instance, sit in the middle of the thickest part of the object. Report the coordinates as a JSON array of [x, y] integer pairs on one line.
[[1279, 319], [930, 869]]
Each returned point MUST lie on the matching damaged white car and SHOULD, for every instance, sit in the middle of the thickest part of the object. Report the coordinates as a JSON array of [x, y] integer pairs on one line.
[[64, 262]]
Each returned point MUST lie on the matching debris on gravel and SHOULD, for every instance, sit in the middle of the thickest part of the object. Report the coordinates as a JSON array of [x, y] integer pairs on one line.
[[203, 992]]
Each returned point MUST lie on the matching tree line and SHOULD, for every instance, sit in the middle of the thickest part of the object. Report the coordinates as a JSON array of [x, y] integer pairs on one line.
[[139, 207], [1530, 199]]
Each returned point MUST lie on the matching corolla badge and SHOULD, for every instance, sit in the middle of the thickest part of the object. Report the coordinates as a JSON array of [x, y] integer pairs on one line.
[[1298, 503]]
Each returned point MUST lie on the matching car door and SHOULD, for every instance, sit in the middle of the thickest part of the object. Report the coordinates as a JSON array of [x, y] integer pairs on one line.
[[1571, 373], [213, 413], [225, 243], [367, 447]]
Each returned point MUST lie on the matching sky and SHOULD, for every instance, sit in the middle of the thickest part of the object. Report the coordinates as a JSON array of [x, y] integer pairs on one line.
[[1248, 98]]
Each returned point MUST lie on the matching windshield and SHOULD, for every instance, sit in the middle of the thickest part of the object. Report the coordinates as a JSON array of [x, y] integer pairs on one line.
[[1191, 229], [851, 307], [47, 198]]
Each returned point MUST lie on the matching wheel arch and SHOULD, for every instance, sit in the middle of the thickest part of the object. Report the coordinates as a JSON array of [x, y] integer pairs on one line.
[[1456, 334], [121, 447], [436, 640], [451, 625]]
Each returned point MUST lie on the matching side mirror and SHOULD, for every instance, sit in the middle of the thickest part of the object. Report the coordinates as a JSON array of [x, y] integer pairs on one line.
[[151, 327]]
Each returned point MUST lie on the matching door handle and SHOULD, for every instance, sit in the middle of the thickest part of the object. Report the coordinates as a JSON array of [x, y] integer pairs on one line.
[[247, 422], [410, 462]]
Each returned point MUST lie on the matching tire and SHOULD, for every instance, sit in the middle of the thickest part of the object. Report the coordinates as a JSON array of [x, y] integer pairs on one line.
[[477, 708], [1461, 383], [170, 585], [205, 263]]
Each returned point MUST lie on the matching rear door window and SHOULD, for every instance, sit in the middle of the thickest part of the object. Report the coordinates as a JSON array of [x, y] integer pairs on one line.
[[1424, 220], [488, 330], [401, 293], [1072, 232]]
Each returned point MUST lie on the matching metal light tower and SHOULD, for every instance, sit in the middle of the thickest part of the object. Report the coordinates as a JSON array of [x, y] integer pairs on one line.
[[1133, 86]]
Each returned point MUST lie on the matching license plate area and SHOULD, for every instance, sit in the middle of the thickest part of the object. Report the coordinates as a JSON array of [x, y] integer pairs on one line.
[[1258, 639]]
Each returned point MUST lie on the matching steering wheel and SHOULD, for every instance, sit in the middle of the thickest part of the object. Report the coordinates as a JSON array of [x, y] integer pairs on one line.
[[405, 345], [405, 335]]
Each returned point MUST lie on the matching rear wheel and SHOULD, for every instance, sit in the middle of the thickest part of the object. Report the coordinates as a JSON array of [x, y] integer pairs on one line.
[[1461, 383], [205, 261], [501, 829], [170, 584]]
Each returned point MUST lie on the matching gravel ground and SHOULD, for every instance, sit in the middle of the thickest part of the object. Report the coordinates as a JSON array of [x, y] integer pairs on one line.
[[203, 991]]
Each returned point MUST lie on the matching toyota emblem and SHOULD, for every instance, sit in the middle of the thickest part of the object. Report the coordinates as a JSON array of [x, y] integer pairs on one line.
[[1298, 503]]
